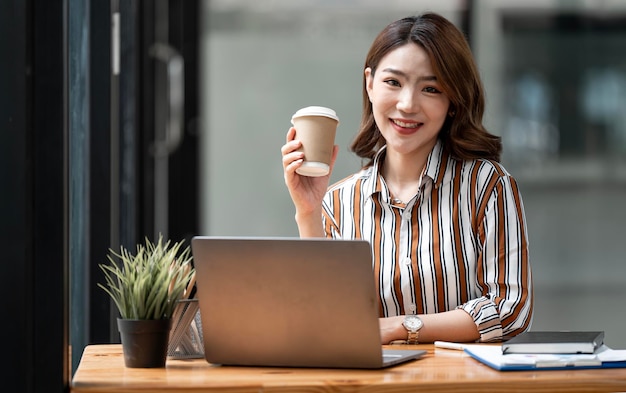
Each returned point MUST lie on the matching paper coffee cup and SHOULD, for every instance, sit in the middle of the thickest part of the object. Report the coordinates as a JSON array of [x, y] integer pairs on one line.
[[316, 127]]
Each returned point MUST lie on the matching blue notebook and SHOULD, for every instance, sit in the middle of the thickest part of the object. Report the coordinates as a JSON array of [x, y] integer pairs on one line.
[[492, 356]]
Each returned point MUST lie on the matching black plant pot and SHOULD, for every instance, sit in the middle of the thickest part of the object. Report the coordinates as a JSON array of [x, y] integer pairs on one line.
[[144, 342]]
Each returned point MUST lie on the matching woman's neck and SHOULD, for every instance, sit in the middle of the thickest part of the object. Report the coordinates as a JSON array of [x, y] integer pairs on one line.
[[402, 173]]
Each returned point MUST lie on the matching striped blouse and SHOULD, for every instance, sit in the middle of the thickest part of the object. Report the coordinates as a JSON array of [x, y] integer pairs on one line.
[[461, 242]]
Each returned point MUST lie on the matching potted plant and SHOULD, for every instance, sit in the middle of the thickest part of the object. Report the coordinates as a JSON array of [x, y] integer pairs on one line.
[[145, 288]]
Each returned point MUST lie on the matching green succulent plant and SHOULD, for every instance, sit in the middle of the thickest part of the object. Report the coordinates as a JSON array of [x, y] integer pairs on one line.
[[147, 285]]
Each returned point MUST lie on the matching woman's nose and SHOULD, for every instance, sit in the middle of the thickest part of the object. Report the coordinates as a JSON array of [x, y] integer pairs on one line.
[[408, 101]]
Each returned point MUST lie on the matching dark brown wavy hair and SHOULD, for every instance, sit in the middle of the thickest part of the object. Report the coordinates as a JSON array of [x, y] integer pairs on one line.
[[463, 133]]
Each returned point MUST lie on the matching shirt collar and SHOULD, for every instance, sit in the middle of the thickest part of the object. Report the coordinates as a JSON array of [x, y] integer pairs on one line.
[[435, 168]]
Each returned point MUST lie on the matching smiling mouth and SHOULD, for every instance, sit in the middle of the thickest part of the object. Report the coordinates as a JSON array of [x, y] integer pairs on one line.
[[404, 124]]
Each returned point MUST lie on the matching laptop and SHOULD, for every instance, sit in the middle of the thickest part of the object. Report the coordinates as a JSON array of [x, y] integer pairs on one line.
[[290, 302]]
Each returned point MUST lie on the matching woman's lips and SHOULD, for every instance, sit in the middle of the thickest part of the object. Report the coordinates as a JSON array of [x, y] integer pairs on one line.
[[405, 126]]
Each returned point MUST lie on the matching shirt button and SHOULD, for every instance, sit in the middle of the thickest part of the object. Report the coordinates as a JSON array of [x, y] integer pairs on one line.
[[406, 261], [412, 308]]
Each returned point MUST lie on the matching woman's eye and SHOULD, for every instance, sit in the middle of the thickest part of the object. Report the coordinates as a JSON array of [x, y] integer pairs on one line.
[[430, 89], [392, 82]]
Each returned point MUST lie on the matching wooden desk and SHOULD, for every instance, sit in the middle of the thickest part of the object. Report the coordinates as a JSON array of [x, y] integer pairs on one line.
[[102, 370]]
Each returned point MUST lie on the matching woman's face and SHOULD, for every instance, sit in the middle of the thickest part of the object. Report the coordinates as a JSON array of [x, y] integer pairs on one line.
[[408, 104]]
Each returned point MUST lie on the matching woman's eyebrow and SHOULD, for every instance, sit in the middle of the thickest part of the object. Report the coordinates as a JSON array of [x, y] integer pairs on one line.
[[405, 75]]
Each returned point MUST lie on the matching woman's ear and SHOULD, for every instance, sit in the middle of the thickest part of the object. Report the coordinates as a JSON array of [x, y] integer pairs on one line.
[[369, 82], [451, 111]]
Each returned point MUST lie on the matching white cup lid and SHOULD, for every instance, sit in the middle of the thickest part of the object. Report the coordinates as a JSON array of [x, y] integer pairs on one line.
[[315, 111]]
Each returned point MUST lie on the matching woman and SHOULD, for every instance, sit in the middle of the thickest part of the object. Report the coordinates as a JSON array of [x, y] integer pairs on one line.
[[445, 220]]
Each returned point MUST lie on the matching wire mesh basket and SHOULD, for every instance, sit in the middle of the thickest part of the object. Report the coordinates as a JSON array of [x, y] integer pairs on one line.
[[185, 340]]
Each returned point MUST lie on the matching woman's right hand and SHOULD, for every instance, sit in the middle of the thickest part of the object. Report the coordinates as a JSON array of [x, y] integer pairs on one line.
[[306, 192]]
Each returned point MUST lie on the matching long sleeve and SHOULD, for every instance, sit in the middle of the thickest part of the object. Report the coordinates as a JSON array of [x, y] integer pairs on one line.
[[504, 273]]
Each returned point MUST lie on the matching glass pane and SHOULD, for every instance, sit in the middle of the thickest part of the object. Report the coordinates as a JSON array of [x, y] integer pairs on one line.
[[78, 174], [565, 80]]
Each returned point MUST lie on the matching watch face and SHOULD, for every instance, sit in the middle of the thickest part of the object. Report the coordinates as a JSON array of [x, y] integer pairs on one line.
[[412, 323]]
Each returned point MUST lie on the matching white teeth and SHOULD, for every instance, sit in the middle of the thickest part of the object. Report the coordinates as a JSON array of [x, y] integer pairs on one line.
[[405, 125]]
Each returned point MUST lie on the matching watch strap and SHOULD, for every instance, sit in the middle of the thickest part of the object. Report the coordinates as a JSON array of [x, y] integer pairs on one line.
[[412, 337]]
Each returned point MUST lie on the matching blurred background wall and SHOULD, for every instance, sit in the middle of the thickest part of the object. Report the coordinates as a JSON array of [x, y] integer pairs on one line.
[[555, 78]]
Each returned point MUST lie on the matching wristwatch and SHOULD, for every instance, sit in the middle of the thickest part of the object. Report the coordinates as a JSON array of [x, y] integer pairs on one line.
[[412, 324]]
